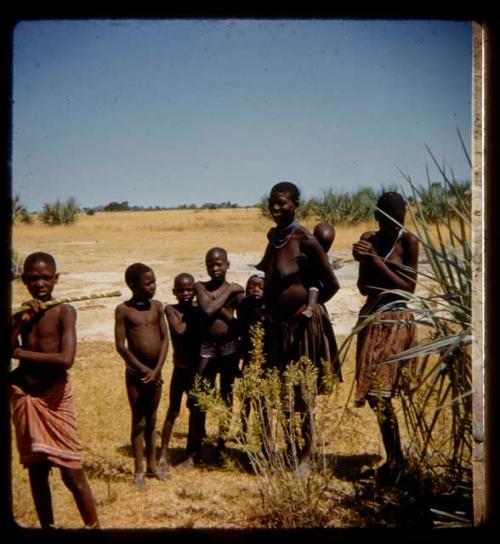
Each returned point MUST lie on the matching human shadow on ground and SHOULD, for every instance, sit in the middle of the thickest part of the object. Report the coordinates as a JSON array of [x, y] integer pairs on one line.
[[351, 467]]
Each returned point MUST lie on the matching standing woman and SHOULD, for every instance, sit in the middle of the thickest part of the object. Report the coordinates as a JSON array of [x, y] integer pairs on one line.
[[293, 262], [388, 261]]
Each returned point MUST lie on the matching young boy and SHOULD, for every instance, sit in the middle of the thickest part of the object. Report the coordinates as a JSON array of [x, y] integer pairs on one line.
[[183, 321], [380, 255], [219, 348], [41, 393], [141, 339]]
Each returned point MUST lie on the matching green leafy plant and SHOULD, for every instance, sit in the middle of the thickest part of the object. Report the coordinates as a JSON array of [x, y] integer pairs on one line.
[[60, 213]]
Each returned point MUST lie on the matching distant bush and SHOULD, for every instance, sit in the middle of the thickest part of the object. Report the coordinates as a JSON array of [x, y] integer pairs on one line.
[[19, 211], [442, 200], [117, 206], [336, 208], [60, 213]]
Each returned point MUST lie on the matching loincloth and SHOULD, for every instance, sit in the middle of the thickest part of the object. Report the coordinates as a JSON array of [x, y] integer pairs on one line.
[[45, 426], [388, 334]]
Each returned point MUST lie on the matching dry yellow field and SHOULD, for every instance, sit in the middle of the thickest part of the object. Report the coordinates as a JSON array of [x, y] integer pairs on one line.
[[92, 256]]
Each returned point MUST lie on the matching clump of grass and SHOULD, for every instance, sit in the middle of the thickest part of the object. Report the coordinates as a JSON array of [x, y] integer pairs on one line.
[[443, 395], [20, 212], [104, 468], [60, 213], [342, 207]]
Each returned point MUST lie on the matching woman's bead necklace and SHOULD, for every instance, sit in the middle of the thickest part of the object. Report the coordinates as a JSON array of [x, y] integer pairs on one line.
[[280, 237]]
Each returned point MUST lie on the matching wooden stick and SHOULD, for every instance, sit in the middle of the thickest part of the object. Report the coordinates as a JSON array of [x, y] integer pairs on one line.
[[56, 301]]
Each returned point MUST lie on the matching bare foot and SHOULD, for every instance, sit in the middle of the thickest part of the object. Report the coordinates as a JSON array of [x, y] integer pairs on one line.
[[139, 480], [164, 470], [304, 468], [153, 472], [188, 464]]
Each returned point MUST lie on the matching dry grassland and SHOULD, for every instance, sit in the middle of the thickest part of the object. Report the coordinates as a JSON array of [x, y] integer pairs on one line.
[[92, 256]]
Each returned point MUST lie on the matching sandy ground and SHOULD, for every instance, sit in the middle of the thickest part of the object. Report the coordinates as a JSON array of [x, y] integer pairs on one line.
[[96, 317]]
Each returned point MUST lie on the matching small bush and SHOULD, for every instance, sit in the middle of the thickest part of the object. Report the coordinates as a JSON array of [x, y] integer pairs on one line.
[[19, 211], [291, 497], [60, 213]]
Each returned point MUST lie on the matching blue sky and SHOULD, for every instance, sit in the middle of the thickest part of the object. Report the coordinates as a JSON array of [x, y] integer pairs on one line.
[[170, 112]]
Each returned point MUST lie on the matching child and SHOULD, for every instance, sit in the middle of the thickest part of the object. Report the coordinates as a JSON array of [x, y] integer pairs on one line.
[[325, 233], [141, 339], [41, 392], [183, 321], [219, 349], [380, 255], [250, 311]]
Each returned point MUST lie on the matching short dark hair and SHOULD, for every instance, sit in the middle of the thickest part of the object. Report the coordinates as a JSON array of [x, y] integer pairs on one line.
[[287, 187], [216, 250], [134, 272], [257, 275], [391, 203], [37, 257], [183, 275]]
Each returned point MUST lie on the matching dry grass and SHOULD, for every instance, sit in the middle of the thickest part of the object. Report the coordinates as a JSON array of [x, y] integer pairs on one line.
[[108, 240], [208, 497], [92, 255]]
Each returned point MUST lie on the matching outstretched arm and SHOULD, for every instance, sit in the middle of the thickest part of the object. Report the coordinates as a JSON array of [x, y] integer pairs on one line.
[[65, 357], [212, 302], [132, 363]]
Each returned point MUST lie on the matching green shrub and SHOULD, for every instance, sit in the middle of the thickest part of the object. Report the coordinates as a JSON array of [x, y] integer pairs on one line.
[[291, 497], [60, 213]]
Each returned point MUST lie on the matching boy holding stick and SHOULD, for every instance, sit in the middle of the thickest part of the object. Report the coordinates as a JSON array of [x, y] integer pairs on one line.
[[41, 393]]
